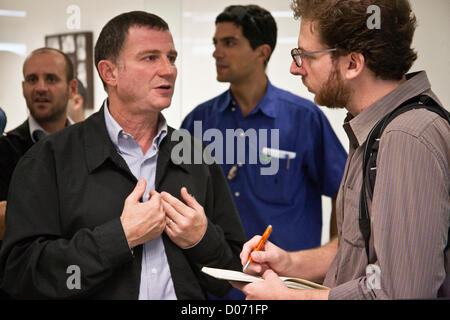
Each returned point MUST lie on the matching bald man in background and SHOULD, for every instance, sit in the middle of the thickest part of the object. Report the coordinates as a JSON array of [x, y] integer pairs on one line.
[[47, 87]]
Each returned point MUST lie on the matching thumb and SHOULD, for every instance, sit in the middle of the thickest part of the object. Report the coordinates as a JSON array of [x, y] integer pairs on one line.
[[155, 196], [190, 200], [261, 257], [269, 274], [138, 191]]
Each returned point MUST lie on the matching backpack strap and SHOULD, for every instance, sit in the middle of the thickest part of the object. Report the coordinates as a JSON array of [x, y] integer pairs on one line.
[[371, 151]]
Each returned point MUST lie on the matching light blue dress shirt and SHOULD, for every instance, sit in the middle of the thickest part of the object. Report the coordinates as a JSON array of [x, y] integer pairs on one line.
[[156, 280]]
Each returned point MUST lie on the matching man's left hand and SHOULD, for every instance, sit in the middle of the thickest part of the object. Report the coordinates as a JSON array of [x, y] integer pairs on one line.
[[186, 223], [272, 288]]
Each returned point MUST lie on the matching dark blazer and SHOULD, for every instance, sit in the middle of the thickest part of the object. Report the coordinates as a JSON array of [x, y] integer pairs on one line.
[[64, 208], [12, 147]]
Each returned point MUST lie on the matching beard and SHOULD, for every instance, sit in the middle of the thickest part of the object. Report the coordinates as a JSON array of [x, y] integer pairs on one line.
[[56, 112], [334, 93]]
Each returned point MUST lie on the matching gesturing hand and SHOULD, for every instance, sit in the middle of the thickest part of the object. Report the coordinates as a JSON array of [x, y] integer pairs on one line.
[[186, 223], [145, 221]]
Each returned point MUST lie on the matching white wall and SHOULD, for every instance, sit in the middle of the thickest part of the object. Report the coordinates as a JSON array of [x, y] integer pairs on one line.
[[192, 25]]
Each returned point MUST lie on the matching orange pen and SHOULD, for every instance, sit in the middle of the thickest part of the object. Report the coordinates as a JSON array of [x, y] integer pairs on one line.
[[263, 239]]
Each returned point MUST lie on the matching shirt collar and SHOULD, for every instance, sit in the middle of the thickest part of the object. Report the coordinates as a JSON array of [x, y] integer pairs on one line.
[[265, 105], [358, 128], [35, 126], [114, 129]]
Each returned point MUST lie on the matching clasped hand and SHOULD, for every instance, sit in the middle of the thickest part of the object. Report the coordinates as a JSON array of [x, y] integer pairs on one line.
[[185, 224]]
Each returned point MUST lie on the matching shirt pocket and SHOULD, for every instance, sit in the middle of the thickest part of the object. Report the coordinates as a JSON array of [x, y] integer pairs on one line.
[[350, 224], [275, 182]]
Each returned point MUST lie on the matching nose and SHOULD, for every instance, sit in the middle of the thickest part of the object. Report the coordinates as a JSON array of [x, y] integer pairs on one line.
[[167, 68], [218, 52], [297, 71], [41, 85]]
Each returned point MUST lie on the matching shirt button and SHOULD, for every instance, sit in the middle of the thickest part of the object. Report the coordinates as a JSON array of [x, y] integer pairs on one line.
[[233, 109], [237, 194], [154, 271]]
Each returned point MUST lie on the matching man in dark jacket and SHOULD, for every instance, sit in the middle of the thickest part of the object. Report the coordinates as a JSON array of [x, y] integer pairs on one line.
[[102, 209], [47, 87]]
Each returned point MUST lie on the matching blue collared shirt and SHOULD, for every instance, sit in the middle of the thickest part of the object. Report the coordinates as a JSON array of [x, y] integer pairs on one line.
[[289, 200], [156, 280]]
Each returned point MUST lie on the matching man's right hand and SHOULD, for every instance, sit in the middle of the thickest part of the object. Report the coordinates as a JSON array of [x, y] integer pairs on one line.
[[142, 221], [269, 257]]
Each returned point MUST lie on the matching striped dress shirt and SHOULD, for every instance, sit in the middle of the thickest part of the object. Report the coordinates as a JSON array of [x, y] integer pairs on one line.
[[410, 209]]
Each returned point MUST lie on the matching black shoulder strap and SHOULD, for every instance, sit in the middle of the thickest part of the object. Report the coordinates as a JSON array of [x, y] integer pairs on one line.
[[371, 152]]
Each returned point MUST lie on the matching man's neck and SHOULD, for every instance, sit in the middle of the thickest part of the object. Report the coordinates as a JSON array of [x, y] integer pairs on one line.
[[53, 126], [143, 128], [369, 91], [248, 93]]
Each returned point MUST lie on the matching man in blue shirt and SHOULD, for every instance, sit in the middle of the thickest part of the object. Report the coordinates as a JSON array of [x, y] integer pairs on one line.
[[296, 136]]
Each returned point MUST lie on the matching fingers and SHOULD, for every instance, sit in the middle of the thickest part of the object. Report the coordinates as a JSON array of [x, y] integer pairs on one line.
[[173, 202], [248, 248], [138, 192], [172, 214], [238, 284], [178, 205], [190, 200]]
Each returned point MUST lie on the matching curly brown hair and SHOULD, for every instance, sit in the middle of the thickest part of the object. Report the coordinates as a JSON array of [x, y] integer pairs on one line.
[[342, 24]]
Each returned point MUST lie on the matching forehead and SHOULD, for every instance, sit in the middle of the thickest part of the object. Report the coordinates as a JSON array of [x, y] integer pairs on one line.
[[144, 39], [228, 30], [308, 38], [45, 63]]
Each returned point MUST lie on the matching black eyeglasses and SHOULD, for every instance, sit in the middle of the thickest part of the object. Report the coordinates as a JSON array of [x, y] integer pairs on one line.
[[297, 54]]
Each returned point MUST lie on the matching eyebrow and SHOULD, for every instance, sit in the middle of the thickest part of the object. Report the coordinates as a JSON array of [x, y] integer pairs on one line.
[[225, 38], [36, 75], [171, 52]]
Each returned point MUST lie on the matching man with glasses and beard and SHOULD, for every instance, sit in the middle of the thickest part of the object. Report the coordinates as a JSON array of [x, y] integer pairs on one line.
[[406, 254]]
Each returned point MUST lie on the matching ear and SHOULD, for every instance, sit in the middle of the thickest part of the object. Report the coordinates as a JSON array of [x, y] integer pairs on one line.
[[264, 51], [107, 71], [353, 65], [73, 88]]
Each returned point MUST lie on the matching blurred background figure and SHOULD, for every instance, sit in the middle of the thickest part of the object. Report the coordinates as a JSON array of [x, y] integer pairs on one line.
[[48, 85], [2, 121]]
